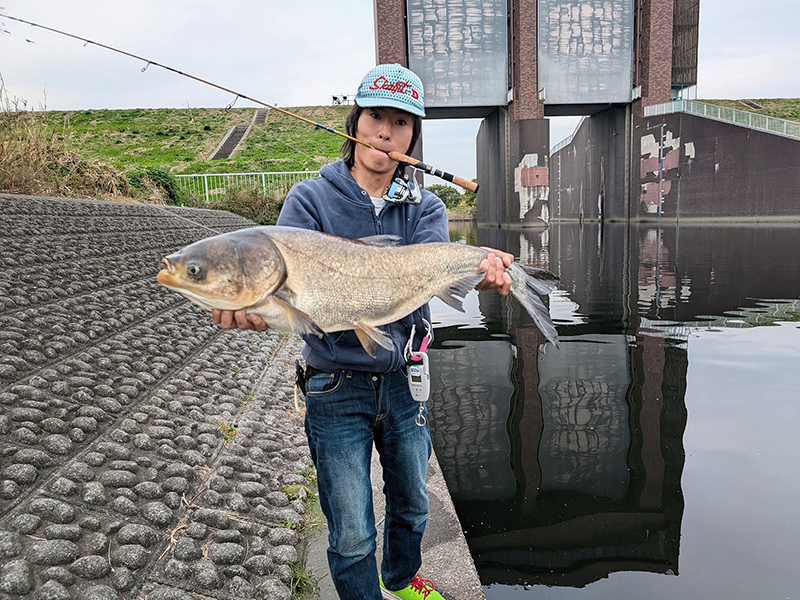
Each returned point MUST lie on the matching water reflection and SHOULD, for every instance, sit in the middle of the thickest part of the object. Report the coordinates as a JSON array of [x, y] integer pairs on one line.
[[565, 466]]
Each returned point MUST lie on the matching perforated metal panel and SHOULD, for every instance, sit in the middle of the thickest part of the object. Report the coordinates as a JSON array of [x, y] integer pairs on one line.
[[586, 51], [459, 48]]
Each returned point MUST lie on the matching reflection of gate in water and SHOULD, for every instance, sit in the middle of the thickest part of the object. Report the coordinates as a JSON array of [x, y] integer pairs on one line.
[[568, 467], [593, 481]]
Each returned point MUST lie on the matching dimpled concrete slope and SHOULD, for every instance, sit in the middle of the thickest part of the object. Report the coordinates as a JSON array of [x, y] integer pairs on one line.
[[142, 449]]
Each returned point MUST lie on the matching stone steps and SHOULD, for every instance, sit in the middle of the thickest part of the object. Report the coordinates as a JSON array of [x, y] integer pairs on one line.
[[260, 117], [230, 142]]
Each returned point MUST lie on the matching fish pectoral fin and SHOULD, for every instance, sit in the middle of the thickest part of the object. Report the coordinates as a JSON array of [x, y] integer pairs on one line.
[[454, 294], [370, 336], [299, 321], [382, 239]]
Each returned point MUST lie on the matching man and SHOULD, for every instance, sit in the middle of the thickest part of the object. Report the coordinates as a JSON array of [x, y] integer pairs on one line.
[[355, 401]]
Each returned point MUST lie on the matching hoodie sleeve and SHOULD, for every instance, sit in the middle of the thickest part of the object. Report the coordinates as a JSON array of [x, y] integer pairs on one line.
[[299, 210], [432, 224]]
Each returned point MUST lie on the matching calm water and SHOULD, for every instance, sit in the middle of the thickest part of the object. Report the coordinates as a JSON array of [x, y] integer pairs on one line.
[[655, 454]]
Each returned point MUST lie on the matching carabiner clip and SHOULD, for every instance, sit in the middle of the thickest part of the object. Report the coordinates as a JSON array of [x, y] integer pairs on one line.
[[420, 419], [409, 353]]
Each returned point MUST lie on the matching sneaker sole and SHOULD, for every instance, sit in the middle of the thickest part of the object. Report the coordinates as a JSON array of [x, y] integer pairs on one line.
[[387, 595]]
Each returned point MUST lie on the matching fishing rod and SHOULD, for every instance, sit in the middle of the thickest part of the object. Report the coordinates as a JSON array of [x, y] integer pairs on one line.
[[395, 156]]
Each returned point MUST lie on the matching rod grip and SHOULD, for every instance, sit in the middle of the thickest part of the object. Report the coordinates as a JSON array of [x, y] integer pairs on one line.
[[465, 183]]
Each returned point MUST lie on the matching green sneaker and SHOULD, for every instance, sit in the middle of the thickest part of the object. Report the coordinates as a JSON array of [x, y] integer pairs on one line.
[[418, 589]]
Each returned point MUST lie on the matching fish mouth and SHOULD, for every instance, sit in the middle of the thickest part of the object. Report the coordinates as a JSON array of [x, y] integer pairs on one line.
[[167, 278], [199, 297]]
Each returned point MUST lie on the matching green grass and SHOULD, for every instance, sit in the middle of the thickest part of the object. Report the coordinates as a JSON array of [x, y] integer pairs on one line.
[[146, 137], [781, 108], [302, 585], [182, 140], [285, 144], [229, 430]]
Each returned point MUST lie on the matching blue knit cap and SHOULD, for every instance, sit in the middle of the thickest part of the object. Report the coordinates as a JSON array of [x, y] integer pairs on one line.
[[393, 86]]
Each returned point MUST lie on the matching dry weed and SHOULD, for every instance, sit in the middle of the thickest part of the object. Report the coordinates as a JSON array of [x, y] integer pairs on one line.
[[34, 158]]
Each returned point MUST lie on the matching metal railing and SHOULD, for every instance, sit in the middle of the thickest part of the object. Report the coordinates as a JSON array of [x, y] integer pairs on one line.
[[213, 185], [729, 115], [567, 141]]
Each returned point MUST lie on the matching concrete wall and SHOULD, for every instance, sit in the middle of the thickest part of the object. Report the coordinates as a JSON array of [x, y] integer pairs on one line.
[[711, 170], [513, 171], [490, 157], [717, 170], [588, 176]]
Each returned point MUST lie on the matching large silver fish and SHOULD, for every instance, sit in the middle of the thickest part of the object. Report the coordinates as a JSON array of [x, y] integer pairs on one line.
[[313, 283]]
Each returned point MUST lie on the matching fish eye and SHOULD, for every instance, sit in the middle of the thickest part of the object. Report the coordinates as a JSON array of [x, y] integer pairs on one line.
[[195, 271]]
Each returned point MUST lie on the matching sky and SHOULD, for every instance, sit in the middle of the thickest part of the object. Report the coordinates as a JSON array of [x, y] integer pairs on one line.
[[301, 53]]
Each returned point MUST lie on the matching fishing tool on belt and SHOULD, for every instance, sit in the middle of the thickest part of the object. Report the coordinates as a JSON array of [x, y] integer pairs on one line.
[[419, 372], [395, 156], [299, 386]]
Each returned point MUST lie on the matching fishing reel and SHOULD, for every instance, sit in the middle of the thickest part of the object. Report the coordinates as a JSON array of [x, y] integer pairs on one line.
[[403, 189]]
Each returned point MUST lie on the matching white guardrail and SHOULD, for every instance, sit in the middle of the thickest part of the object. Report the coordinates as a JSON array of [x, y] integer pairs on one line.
[[213, 185], [567, 141], [730, 115]]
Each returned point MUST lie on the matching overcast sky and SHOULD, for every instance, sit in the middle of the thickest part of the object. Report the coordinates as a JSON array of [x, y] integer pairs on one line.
[[302, 52]]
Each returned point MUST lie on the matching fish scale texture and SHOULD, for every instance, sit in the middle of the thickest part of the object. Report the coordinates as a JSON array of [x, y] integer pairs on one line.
[[121, 474], [375, 284]]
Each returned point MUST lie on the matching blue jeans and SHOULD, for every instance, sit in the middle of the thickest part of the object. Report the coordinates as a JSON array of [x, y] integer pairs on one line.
[[346, 412]]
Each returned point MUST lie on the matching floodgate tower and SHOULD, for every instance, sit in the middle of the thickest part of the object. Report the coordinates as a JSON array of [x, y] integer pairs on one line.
[[514, 63]]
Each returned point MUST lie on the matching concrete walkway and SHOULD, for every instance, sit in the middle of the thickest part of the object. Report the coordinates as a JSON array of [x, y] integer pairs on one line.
[[445, 556]]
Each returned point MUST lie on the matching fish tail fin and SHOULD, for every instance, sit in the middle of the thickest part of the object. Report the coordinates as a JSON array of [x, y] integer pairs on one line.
[[528, 284]]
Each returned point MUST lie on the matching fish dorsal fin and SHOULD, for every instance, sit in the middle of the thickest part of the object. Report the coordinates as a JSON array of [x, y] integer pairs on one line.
[[455, 293], [381, 240], [370, 336], [299, 321]]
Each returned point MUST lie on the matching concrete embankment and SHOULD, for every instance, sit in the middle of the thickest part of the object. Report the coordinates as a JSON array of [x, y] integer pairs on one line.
[[144, 452]]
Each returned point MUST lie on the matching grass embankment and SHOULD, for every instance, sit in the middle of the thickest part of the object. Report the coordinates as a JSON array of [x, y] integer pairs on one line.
[[183, 139], [141, 138], [780, 108], [286, 144], [134, 154]]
